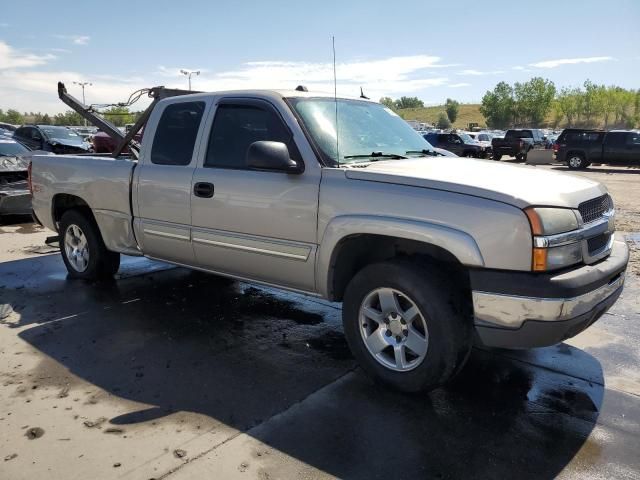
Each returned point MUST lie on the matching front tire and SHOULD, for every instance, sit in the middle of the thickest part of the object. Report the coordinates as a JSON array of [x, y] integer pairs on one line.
[[407, 326], [497, 156], [83, 250]]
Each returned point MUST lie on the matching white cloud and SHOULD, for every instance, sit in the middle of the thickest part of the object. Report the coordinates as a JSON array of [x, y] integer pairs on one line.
[[569, 61], [75, 39], [12, 58], [36, 90], [478, 73], [459, 85]]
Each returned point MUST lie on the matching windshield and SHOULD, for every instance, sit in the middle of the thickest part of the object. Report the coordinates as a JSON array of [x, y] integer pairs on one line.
[[519, 134], [8, 149], [61, 133], [466, 138], [364, 128]]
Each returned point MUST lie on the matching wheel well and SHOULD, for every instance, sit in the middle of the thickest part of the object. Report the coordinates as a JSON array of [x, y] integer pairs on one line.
[[357, 251], [63, 202], [576, 152]]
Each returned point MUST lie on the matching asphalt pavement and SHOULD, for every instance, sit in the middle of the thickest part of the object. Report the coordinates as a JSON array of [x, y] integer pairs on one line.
[[167, 373]]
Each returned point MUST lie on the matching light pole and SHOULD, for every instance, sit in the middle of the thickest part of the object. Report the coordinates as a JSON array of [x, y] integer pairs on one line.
[[83, 84], [188, 73]]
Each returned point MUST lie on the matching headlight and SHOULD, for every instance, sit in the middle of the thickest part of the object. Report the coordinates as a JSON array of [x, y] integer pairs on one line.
[[554, 246]]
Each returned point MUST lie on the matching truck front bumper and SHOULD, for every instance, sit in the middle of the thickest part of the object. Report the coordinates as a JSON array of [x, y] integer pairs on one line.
[[14, 200], [525, 310]]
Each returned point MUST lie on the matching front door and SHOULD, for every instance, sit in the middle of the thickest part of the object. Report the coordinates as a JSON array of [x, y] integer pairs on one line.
[[163, 179], [253, 224]]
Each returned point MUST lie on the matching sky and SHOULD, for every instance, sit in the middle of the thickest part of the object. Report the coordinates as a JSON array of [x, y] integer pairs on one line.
[[431, 49]]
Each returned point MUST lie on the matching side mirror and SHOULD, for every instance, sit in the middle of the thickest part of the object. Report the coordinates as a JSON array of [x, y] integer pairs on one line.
[[271, 156]]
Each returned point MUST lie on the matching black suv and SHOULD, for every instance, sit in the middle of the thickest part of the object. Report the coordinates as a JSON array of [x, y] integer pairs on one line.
[[578, 148], [51, 138], [459, 143]]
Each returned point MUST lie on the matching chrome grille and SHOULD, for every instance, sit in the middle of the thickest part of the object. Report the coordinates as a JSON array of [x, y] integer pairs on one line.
[[595, 208]]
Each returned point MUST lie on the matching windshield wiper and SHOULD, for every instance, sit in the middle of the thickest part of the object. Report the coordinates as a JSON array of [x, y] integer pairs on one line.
[[372, 155], [431, 153]]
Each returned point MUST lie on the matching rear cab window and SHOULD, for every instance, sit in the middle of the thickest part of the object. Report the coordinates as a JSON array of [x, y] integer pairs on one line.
[[176, 133]]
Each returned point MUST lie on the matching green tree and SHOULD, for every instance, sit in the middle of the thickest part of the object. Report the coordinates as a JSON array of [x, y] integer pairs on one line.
[[498, 106], [68, 118], [388, 102], [443, 121], [14, 117], [533, 101], [409, 102], [452, 108], [567, 104], [593, 102], [119, 116]]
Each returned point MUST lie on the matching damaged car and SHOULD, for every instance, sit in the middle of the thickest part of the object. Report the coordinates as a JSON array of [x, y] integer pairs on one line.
[[15, 198], [50, 138]]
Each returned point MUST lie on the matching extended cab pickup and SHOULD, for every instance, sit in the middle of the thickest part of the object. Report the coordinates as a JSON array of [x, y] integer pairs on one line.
[[578, 148], [428, 254], [517, 143]]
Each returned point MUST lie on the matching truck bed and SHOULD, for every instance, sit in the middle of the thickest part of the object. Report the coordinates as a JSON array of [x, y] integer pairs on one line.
[[103, 183]]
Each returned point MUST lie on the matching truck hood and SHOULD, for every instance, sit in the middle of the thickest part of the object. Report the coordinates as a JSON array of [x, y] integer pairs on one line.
[[518, 185]]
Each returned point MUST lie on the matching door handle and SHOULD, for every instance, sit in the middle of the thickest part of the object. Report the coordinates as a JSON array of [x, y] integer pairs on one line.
[[203, 189]]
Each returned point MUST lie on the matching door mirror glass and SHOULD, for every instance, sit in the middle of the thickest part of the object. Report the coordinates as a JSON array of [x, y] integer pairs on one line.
[[272, 156]]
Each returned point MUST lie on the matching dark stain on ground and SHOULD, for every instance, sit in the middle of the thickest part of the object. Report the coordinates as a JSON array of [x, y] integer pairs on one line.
[[34, 432]]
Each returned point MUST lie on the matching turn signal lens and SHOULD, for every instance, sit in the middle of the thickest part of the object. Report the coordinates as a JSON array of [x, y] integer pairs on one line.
[[535, 221], [539, 263]]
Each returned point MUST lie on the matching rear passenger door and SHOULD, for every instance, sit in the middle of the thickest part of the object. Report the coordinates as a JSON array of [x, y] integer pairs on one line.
[[163, 181], [614, 149], [253, 224]]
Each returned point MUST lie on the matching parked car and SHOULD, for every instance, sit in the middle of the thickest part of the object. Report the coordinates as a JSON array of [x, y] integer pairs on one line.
[[459, 143], [517, 143], [578, 148], [428, 254], [482, 139], [15, 198], [7, 127], [51, 139], [103, 143]]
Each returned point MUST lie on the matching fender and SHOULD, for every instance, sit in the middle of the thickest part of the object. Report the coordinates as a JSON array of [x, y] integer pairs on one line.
[[460, 244]]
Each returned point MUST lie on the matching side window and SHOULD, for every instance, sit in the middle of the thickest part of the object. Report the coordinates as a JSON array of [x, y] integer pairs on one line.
[[21, 132], [633, 138], [236, 127], [176, 134], [443, 138], [615, 138]]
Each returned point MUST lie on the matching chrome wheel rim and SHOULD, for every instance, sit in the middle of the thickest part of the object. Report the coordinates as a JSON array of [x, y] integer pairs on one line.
[[393, 329], [76, 248], [575, 162]]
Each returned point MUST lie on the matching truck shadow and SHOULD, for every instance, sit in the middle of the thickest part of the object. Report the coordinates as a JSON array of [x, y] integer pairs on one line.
[[239, 354]]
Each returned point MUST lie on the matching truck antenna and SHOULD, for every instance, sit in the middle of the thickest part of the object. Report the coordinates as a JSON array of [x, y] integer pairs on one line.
[[335, 93]]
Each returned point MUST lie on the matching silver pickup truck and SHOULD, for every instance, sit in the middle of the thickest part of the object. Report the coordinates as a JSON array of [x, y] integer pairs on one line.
[[341, 199]]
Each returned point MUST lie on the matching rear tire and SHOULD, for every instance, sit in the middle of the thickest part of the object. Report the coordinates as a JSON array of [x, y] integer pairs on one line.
[[576, 161], [521, 157], [497, 157], [83, 250], [435, 340]]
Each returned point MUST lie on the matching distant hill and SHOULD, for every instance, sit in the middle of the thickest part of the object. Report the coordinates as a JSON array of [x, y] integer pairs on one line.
[[469, 113]]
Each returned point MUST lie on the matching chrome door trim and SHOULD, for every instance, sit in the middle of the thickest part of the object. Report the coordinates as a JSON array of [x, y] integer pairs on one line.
[[246, 243], [165, 234]]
